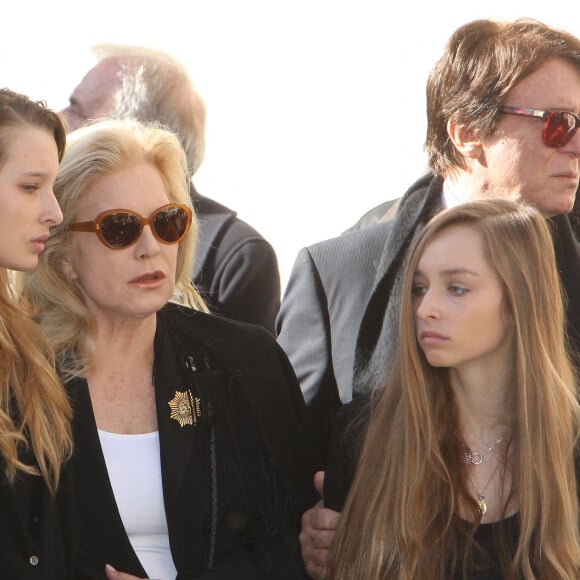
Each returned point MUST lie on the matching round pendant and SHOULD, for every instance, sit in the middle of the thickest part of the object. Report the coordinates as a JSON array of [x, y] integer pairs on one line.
[[474, 458]]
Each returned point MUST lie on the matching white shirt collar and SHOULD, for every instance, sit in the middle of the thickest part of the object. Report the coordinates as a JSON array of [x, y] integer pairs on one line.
[[449, 196]]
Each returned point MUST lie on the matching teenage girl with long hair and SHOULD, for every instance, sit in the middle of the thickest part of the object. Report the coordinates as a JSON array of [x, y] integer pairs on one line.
[[35, 440], [467, 468]]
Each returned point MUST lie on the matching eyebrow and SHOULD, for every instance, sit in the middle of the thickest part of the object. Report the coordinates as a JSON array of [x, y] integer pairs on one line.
[[450, 272], [34, 174]]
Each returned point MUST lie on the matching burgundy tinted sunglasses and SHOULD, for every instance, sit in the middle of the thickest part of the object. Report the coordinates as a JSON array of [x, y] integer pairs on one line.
[[559, 126], [121, 228]]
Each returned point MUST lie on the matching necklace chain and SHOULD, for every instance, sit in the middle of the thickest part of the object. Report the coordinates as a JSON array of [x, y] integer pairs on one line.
[[476, 457], [480, 495]]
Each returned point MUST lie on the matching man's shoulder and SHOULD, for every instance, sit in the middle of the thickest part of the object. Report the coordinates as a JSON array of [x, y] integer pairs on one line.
[[208, 206], [353, 242], [374, 236], [352, 255], [215, 217], [380, 213]]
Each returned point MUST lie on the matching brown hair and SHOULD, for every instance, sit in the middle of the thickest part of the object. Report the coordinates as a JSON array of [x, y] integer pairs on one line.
[[399, 519], [34, 409], [483, 60], [17, 110]]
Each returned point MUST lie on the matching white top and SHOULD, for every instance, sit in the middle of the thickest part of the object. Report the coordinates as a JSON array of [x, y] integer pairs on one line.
[[449, 197], [134, 467]]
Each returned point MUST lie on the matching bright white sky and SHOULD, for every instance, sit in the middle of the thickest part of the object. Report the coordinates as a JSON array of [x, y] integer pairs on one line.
[[316, 108]]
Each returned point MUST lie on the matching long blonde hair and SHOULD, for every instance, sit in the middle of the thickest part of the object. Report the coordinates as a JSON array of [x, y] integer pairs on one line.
[[92, 153], [34, 409], [399, 519]]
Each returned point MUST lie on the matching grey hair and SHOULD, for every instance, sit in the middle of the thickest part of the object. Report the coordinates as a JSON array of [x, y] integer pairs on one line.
[[156, 88]]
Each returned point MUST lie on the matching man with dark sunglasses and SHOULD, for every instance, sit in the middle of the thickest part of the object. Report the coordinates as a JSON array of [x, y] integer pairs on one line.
[[503, 106], [235, 268]]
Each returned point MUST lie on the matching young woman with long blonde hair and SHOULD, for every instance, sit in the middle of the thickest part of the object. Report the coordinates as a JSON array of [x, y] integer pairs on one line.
[[467, 469], [35, 441]]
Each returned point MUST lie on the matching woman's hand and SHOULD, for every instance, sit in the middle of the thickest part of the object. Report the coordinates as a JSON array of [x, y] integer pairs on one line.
[[113, 574]]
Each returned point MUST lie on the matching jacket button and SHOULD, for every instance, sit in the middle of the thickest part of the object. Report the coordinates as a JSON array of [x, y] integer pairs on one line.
[[35, 519], [33, 560], [238, 372]]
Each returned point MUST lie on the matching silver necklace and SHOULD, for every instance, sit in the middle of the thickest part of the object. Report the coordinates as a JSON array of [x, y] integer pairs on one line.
[[476, 457]]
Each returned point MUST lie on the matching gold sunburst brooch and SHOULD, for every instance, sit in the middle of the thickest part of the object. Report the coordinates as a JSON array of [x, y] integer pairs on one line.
[[185, 408]]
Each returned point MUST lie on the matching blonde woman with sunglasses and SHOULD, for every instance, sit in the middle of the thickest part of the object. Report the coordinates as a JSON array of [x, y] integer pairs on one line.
[[182, 464]]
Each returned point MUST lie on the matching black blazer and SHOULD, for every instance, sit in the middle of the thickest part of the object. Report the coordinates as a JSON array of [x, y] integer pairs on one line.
[[37, 539], [232, 506], [235, 268]]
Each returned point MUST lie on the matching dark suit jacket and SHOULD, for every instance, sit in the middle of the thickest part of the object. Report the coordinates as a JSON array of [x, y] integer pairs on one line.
[[235, 481], [37, 530], [337, 321], [235, 268], [324, 302]]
